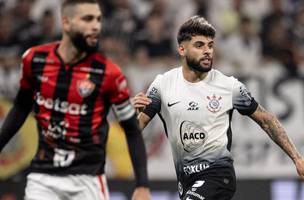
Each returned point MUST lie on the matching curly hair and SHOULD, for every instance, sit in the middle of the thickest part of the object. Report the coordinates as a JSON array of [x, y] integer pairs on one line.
[[196, 25]]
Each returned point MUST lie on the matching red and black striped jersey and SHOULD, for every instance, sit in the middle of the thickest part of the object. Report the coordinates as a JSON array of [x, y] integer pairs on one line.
[[71, 103]]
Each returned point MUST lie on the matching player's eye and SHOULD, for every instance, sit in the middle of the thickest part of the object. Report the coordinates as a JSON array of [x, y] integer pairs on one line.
[[88, 18], [210, 45], [199, 44]]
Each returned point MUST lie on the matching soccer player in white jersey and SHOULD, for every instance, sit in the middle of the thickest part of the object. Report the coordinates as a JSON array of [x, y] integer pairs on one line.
[[195, 103]]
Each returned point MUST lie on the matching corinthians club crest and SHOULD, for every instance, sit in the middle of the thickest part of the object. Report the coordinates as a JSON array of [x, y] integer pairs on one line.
[[214, 103], [85, 87]]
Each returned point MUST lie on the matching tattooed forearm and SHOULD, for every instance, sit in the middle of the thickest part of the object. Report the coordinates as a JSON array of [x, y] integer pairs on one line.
[[271, 125]]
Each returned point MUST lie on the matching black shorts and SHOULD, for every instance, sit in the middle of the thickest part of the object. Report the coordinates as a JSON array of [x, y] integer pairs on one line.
[[213, 184]]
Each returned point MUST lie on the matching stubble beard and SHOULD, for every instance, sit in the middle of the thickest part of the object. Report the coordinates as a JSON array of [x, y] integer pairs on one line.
[[195, 65], [79, 41]]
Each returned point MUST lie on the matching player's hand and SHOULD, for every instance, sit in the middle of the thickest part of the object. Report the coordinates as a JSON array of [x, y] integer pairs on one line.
[[300, 168], [141, 193], [140, 101]]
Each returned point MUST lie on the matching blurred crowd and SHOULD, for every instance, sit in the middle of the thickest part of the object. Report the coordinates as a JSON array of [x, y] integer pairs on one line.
[[140, 35]]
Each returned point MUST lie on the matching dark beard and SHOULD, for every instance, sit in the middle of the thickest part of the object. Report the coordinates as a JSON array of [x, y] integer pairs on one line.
[[195, 65], [79, 41]]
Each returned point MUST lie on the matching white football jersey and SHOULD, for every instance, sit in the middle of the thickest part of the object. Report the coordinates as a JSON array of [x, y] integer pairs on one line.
[[197, 117]]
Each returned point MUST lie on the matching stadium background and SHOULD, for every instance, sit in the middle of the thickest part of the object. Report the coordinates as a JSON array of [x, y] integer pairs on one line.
[[261, 42]]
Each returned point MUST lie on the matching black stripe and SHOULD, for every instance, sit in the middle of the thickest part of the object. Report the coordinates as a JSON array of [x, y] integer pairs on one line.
[[61, 92], [164, 123], [85, 122], [37, 67], [45, 149], [229, 132]]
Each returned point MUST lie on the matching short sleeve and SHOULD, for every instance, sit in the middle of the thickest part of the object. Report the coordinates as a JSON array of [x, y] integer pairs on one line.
[[154, 94], [242, 99], [26, 77], [119, 89]]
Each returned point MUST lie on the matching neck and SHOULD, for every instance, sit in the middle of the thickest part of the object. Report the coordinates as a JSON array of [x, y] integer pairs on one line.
[[193, 76], [68, 52]]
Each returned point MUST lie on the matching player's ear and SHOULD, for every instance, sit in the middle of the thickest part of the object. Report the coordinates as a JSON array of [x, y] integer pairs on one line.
[[65, 23], [181, 50]]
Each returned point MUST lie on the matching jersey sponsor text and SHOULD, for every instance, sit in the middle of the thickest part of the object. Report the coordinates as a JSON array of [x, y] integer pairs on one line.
[[61, 106], [192, 169]]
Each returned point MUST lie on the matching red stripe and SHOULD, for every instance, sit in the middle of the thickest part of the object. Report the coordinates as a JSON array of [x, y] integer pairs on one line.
[[98, 110], [47, 90], [97, 118], [103, 190]]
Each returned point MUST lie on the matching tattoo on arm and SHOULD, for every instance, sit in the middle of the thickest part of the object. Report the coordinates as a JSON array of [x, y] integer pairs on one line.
[[271, 125]]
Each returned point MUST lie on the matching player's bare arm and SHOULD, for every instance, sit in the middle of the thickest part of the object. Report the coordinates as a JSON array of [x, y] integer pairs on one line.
[[141, 193], [143, 120], [140, 101], [271, 125]]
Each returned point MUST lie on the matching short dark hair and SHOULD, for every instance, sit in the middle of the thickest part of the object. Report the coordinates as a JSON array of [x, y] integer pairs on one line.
[[196, 25], [67, 3]]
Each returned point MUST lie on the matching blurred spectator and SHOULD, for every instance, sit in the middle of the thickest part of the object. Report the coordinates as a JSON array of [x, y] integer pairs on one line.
[[277, 45], [46, 31], [298, 36], [276, 37], [9, 58], [201, 7], [24, 25], [115, 49], [256, 9], [155, 38], [224, 15], [40, 6], [142, 70], [7, 4], [141, 8], [159, 7], [1, 6], [298, 28], [277, 11], [121, 24], [107, 7], [177, 16], [9, 47], [242, 49]]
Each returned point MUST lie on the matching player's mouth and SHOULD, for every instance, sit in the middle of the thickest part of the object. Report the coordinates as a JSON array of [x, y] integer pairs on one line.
[[205, 61], [93, 38]]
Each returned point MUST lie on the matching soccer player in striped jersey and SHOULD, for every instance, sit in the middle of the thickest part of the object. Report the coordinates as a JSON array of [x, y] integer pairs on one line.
[[71, 87], [195, 103]]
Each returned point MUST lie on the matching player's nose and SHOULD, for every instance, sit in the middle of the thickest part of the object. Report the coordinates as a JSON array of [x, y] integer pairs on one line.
[[96, 26]]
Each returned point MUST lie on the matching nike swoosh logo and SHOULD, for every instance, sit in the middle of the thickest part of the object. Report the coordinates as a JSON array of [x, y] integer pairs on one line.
[[172, 104]]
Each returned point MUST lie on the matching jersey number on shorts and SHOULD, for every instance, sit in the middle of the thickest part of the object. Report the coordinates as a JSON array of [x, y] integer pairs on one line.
[[63, 158]]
